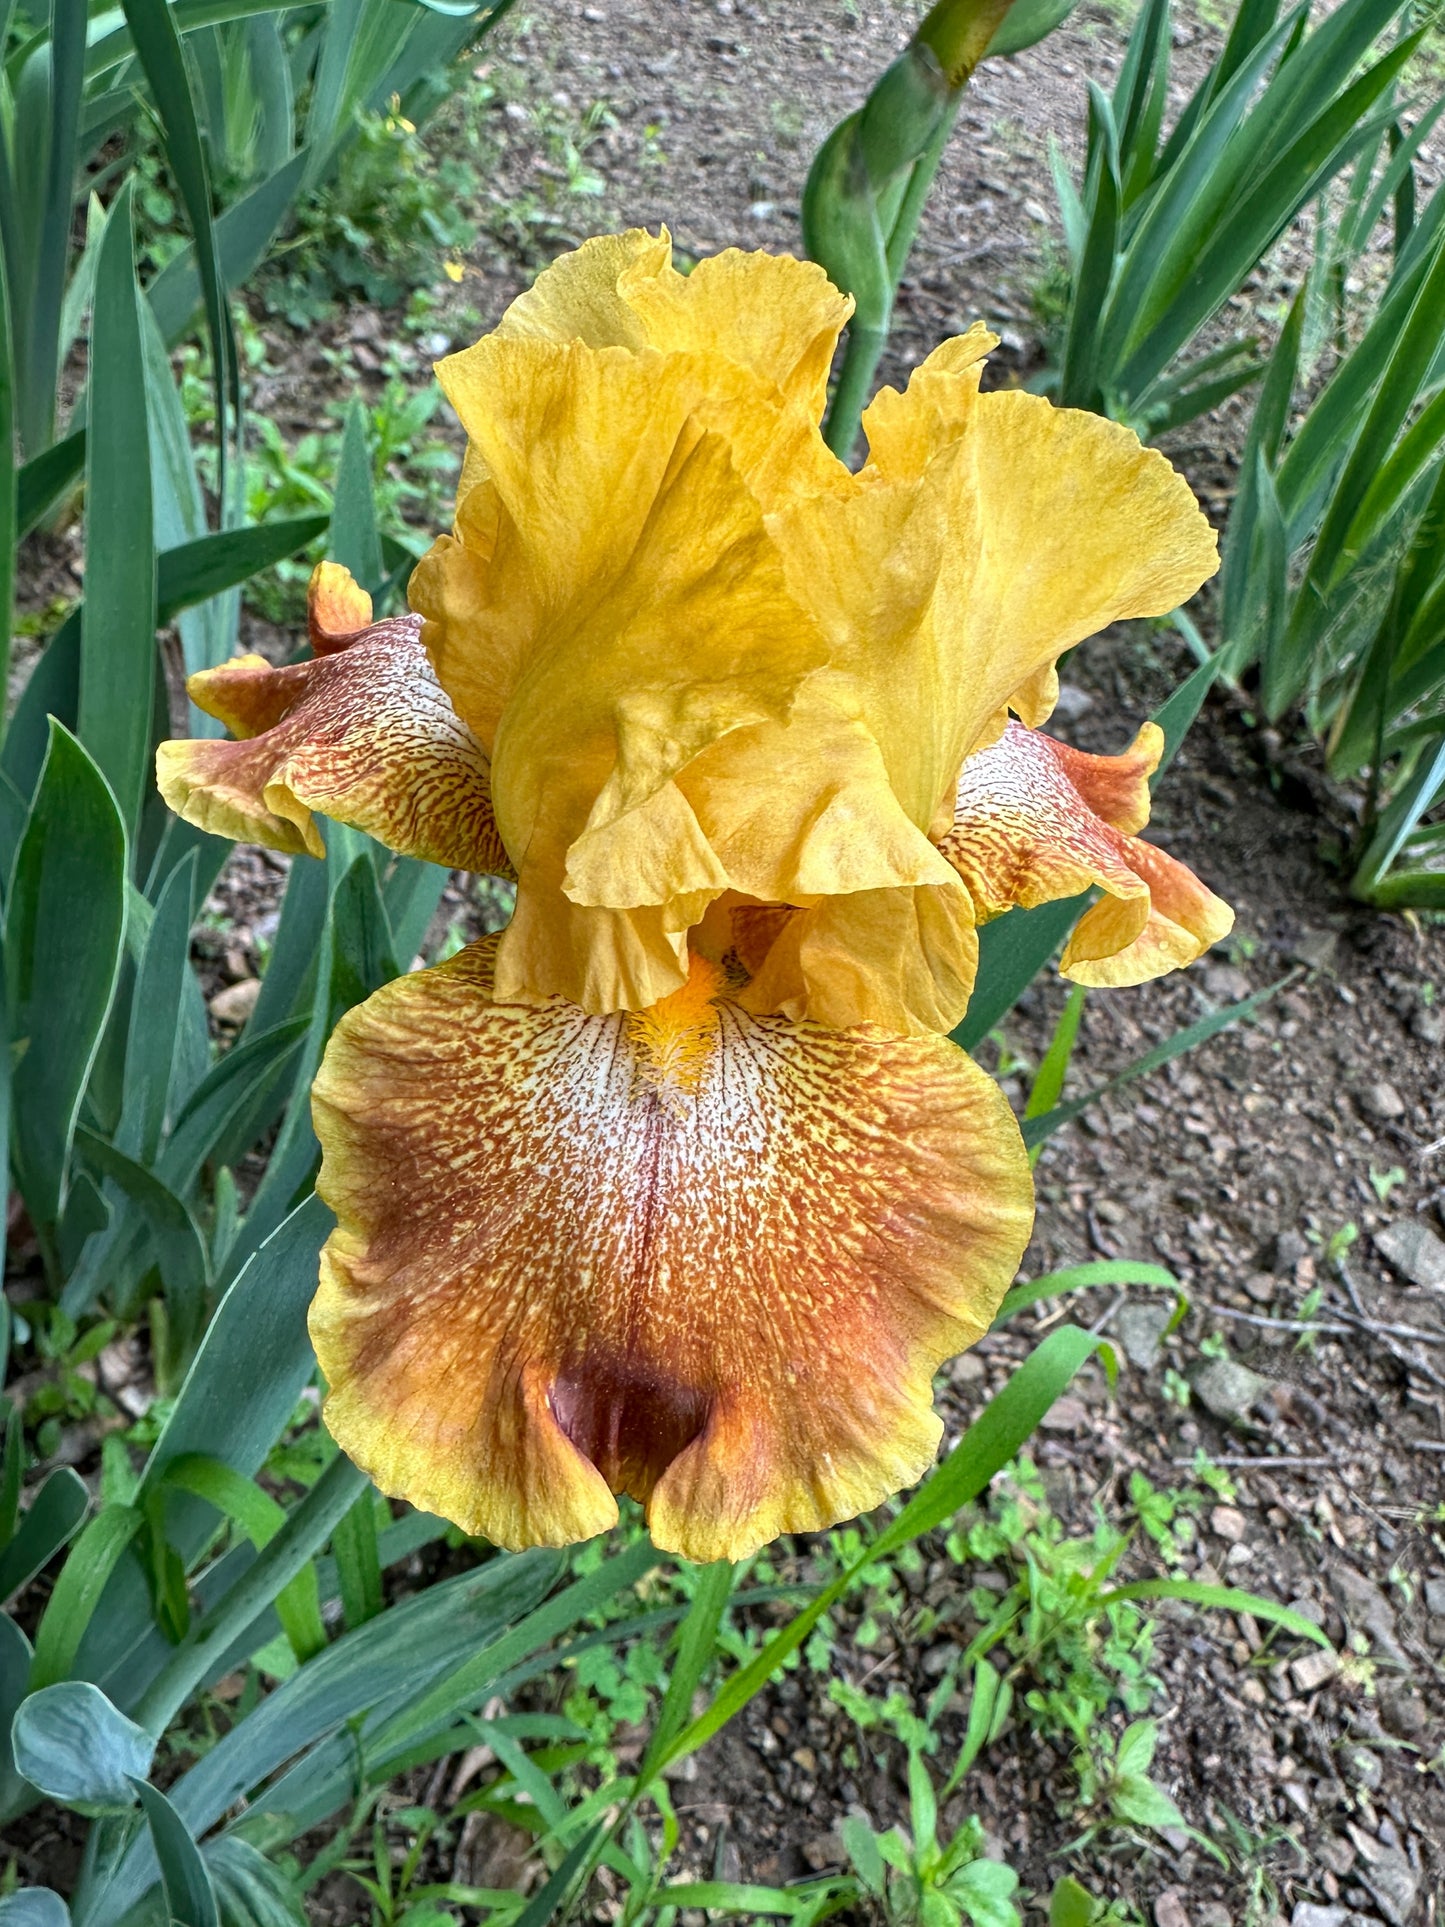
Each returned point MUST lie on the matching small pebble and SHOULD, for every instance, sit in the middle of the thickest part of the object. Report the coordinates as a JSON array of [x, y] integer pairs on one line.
[[1414, 1251], [1289, 1248], [1308, 1914], [1311, 1671], [1382, 1102], [234, 1004], [1227, 1522], [1228, 1389], [1169, 1909], [1074, 703], [1140, 1330]]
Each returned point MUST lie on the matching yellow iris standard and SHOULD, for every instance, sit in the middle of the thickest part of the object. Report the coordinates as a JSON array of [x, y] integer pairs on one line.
[[678, 1188]]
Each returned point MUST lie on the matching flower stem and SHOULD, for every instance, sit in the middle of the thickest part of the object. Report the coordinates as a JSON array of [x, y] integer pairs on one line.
[[855, 379], [959, 31]]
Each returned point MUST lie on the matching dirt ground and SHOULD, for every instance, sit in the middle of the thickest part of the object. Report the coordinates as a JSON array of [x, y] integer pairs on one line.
[[1241, 1168]]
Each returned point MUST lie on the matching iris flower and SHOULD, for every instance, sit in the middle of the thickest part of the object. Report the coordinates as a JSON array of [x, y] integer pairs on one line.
[[678, 1187]]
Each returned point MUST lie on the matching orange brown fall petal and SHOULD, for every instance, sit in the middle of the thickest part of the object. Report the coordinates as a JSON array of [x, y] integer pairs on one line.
[[1036, 821], [337, 607], [362, 733], [705, 1258]]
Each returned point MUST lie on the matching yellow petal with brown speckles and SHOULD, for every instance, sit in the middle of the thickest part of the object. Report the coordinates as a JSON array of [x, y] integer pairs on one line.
[[1037, 821], [363, 733], [708, 1259]]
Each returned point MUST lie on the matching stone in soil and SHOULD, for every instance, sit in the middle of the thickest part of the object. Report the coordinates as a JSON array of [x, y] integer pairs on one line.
[[1289, 1248], [1363, 1768], [1318, 949], [1382, 1102], [1169, 1909], [1225, 983], [1308, 1914], [1388, 1875], [1368, 1611], [234, 1004], [1414, 1251], [1140, 1329], [1227, 1522], [1228, 1389], [1310, 1672], [1073, 704]]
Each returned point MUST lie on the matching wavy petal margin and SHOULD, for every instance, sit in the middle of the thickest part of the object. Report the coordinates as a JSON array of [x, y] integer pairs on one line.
[[1077, 525], [363, 733], [707, 1259], [1037, 821]]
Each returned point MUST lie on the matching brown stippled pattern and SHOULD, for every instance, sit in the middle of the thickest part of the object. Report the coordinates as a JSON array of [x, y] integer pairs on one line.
[[1022, 832], [552, 1277], [364, 734], [1036, 821]]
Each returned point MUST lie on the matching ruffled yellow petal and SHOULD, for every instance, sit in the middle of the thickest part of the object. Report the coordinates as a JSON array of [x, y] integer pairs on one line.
[[902, 959], [362, 733], [707, 1259], [803, 808], [777, 316], [1081, 526], [1077, 524], [905, 431], [883, 573], [579, 298], [614, 607], [707, 662], [1038, 821]]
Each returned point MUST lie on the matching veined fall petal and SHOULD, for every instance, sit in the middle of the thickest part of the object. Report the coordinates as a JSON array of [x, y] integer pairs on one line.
[[1037, 821], [363, 733], [708, 1259]]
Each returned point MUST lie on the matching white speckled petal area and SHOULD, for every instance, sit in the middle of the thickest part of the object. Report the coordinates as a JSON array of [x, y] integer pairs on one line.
[[1036, 821], [363, 733], [705, 1258]]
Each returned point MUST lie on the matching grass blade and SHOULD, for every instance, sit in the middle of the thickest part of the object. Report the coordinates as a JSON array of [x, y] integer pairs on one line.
[[190, 1897], [61, 966], [118, 620], [1048, 1084], [354, 539], [66, 77], [1103, 1271], [1036, 1129], [358, 1562], [192, 571], [158, 48], [45, 478], [78, 1591], [1079, 378], [994, 1438], [243, 234], [9, 488]]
